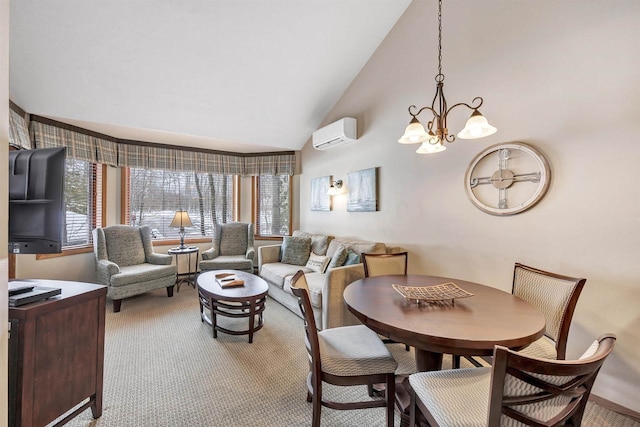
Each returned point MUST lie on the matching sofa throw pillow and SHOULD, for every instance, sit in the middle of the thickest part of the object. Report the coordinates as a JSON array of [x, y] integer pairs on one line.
[[319, 242], [318, 263], [295, 250], [352, 258], [339, 257]]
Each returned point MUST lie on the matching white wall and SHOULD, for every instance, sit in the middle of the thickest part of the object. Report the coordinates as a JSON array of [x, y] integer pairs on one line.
[[560, 75]]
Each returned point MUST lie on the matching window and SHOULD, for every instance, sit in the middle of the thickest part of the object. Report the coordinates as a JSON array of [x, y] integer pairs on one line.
[[83, 202], [272, 205], [152, 198]]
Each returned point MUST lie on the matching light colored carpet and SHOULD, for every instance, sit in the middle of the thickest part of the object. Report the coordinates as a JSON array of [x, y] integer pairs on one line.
[[164, 368]]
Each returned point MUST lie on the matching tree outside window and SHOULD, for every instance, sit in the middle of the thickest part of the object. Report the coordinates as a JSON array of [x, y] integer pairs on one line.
[[82, 202], [155, 195]]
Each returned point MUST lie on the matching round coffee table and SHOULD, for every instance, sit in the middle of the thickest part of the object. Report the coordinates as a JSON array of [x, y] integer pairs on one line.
[[247, 300]]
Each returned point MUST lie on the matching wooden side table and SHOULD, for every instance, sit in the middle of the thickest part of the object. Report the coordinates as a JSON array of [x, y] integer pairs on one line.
[[190, 276]]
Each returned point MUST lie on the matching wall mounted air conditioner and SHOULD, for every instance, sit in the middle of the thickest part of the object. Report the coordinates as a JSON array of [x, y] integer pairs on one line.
[[336, 134]]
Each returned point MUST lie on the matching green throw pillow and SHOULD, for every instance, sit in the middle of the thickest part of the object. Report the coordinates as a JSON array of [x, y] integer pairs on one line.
[[295, 250], [352, 258], [339, 257]]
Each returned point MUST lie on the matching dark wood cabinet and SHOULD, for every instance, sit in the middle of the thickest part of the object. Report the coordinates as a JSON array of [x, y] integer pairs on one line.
[[56, 355]]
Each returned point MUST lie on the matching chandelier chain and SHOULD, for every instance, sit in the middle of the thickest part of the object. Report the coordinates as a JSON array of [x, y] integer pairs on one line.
[[440, 38]]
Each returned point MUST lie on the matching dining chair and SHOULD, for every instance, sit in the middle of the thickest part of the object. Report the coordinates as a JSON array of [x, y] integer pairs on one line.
[[556, 297], [516, 390], [385, 264], [343, 356]]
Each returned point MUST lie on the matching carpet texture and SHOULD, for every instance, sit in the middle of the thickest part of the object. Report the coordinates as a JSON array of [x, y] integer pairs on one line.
[[164, 368]]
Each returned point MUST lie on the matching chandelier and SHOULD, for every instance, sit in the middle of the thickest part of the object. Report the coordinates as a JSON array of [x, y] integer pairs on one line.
[[476, 127]]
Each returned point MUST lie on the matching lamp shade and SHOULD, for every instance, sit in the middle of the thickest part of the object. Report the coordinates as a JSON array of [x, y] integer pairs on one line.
[[477, 127], [414, 133], [181, 219]]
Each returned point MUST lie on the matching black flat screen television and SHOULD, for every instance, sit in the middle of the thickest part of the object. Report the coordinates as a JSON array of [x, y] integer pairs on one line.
[[36, 200]]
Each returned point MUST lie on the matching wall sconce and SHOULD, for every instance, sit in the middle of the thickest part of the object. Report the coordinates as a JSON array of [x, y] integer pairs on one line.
[[334, 187]]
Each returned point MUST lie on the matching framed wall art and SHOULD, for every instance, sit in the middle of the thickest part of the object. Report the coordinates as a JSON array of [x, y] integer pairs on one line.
[[363, 190], [320, 200]]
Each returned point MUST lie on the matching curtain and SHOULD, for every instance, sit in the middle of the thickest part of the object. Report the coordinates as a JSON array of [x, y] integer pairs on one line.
[[18, 131], [270, 164], [98, 148]]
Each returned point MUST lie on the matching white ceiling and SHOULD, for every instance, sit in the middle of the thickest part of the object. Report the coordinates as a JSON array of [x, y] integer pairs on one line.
[[233, 75]]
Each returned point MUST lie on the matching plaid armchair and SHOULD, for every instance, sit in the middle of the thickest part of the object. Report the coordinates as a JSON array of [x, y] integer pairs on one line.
[[127, 265]]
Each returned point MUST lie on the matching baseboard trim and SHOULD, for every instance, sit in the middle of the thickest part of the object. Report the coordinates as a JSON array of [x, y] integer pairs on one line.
[[615, 407]]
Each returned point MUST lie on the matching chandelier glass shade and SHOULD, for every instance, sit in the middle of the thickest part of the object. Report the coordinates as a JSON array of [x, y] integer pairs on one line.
[[477, 125]]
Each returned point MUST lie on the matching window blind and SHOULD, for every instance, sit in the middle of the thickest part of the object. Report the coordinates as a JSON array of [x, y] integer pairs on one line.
[[272, 205]]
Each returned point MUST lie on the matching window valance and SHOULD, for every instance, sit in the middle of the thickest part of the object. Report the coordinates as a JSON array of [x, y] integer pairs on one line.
[[99, 148], [18, 130]]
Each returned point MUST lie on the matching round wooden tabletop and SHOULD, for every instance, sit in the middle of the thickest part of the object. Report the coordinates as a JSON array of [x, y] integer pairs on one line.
[[254, 286], [469, 326]]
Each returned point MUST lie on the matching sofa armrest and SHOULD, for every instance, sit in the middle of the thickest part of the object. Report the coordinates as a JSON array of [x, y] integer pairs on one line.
[[268, 254], [104, 270], [334, 311], [210, 253], [159, 259]]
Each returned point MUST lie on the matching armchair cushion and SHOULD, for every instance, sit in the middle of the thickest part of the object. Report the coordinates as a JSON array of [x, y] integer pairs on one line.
[[233, 239], [141, 273], [124, 245], [228, 262]]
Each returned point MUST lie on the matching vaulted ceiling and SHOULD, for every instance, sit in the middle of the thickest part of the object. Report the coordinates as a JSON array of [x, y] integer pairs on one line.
[[234, 75]]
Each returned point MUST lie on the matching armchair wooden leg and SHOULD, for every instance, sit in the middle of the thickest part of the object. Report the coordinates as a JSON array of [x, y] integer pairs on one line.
[[116, 305], [170, 291]]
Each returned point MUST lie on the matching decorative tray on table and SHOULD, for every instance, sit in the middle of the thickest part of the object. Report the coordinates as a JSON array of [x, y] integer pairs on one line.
[[439, 293]]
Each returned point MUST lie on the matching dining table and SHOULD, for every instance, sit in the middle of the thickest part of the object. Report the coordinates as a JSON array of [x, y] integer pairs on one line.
[[466, 326]]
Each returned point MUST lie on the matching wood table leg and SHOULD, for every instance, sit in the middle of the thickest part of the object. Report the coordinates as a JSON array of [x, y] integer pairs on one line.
[[252, 319], [425, 361]]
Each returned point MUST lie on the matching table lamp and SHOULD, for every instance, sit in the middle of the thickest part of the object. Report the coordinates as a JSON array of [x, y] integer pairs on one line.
[[181, 220]]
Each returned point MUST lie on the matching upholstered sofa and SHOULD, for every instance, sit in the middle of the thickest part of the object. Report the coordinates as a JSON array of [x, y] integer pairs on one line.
[[325, 288]]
